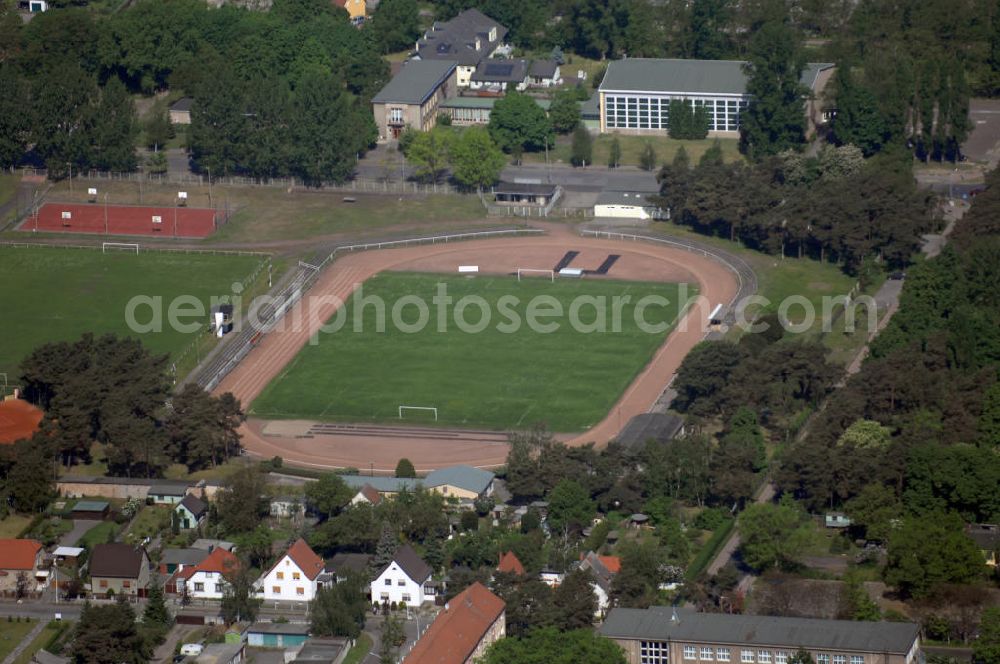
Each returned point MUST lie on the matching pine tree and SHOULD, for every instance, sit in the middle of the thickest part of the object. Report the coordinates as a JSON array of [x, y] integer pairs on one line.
[[858, 121], [391, 638], [156, 607], [583, 146], [647, 158], [158, 129], [405, 468], [385, 550], [774, 120], [615, 154]]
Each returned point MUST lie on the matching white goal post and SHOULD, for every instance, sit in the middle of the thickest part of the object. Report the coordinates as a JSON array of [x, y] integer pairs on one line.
[[120, 246], [426, 408], [529, 270]]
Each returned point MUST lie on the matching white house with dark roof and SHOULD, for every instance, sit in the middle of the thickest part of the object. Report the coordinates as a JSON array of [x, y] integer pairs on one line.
[[500, 75], [405, 579], [635, 93], [544, 74], [665, 635], [191, 511], [467, 40]]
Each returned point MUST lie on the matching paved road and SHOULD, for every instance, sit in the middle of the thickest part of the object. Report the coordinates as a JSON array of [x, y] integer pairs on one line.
[[764, 495], [414, 625], [80, 528], [165, 651]]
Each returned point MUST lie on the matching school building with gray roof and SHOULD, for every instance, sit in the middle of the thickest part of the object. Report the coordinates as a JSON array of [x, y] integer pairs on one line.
[[664, 635], [635, 93]]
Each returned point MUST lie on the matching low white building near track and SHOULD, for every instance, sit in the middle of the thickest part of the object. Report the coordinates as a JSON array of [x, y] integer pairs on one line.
[[627, 205]]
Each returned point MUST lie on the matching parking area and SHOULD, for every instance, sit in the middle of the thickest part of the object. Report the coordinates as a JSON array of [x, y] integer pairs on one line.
[[983, 144]]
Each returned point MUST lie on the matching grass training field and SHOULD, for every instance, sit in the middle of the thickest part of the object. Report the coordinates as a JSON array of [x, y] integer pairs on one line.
[[49, 294], [632, 146], [496, 378], [270, 214]]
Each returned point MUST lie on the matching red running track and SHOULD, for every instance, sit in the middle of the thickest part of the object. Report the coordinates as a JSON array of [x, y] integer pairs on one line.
[[123, 220]]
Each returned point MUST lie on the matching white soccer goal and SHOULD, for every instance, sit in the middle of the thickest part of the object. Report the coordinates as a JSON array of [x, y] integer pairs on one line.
[[120, 246], [431, 409], [532, 270]]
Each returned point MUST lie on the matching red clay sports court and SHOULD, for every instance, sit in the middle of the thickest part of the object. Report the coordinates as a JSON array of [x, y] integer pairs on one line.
[[123, 220]]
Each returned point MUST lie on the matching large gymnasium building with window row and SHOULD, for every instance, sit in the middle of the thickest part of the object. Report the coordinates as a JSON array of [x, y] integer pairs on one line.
[[635, 93]]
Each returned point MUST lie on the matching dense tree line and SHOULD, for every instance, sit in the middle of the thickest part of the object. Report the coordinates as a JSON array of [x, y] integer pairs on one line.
[[282, 92], [931, 381], [267, 128], [472, 156], [112, 390], [832, 207], [910, 442]]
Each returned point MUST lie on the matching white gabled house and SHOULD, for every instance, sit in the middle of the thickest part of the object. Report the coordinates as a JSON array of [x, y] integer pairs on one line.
[[191, 511], [406, 579], [294, 577], [207, 579]]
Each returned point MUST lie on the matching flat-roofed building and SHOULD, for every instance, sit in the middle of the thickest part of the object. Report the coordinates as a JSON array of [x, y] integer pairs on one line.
[[467, 111], [663, 635], [635, 93]]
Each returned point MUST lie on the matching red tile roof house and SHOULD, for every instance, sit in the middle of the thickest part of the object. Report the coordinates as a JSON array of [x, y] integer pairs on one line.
[[207, 579], [463, 631], [20, 556], [294, 577], [510, 564], [117, 569]]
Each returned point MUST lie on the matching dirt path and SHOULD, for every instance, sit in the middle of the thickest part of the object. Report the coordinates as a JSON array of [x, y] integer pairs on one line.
[[380, 453]]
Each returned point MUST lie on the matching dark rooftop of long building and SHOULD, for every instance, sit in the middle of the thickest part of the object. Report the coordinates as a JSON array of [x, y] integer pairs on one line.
[[457, 39], [415, 82], [525, 189], [501, 71], [676, 76], [657, 623]]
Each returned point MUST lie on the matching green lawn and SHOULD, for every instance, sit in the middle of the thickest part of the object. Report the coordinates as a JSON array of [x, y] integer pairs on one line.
[[271, 214], [11, 634], [779, 278], [362, 646], [99, 534], [53, 632], [52, 294], [151, 520], [12, 525], [492, 378], [664, 146]]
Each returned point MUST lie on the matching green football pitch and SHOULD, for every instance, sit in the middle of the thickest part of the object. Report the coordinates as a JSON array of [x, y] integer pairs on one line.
[[504, 376], [49, 294]]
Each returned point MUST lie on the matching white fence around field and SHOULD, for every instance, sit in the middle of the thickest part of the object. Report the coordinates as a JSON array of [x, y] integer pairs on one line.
[[142, 248], [734, 264], [296, 285], [357, 185]]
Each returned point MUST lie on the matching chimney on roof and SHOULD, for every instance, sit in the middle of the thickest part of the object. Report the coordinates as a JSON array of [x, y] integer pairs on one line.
[[673, 616]]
